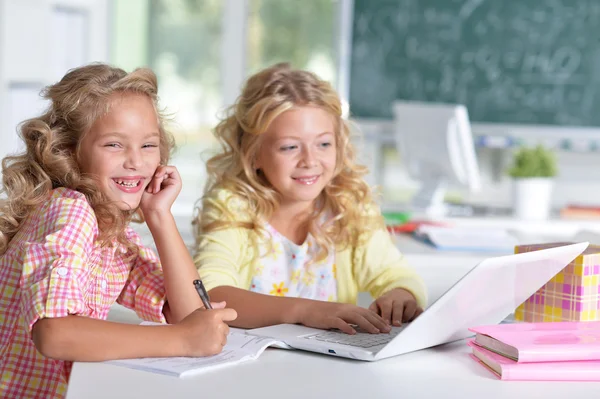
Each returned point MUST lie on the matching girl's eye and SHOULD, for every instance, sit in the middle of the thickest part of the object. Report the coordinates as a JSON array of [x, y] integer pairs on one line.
[[326, 144], [288, 147], [113, 145], [149, 146]]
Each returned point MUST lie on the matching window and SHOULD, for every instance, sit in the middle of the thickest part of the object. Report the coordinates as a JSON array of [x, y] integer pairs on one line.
[[185, 52], [287, 31], [183, 40]]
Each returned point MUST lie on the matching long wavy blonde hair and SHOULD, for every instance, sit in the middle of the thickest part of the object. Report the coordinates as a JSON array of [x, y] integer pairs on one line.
[[345, 209], [52, 140]]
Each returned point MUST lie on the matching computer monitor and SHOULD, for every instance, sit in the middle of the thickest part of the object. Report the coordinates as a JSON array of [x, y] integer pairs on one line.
[[436, 145]]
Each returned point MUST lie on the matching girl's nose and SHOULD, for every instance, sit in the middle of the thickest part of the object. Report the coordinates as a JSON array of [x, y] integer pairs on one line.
[[133, 160], [308, 158]]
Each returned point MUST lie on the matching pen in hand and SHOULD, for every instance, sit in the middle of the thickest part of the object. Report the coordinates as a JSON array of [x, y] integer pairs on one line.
[[202, 294]]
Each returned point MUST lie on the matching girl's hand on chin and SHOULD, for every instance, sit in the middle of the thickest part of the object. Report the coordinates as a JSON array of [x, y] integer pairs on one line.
[[162, 191]]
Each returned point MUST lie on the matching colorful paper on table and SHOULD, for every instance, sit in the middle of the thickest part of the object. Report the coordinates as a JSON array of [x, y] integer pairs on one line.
[[572, 295]]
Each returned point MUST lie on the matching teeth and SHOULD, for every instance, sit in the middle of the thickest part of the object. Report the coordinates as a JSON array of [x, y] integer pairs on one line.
[[128, 183], [307, 180]]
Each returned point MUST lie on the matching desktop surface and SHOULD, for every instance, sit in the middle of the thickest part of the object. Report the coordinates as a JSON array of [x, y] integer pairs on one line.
[[445, 371]]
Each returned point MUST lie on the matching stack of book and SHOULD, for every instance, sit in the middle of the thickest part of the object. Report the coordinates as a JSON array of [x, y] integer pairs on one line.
[[560, 351]]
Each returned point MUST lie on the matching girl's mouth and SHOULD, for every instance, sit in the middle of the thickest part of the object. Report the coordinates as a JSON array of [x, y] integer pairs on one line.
[[128, 185], [306, 180]]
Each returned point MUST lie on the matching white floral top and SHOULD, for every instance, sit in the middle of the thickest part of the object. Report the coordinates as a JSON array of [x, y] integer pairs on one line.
[[285, 270]]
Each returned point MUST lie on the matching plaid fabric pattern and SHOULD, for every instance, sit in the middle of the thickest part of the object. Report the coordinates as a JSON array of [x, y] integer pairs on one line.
[[571, 295], [53, 268]]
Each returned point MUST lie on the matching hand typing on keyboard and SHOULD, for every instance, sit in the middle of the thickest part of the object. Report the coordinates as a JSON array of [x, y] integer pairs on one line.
[[360, 339], [396, 306], [331, 315]]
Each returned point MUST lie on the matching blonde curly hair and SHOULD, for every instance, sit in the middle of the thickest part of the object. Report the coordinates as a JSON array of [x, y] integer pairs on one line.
[[52, 140], [345, 210]]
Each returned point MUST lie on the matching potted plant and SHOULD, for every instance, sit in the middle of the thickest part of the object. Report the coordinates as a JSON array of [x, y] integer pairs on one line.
[[533, 171]]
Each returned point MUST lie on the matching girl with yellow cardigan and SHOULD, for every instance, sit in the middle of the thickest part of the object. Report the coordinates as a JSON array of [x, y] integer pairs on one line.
[[288, 231]]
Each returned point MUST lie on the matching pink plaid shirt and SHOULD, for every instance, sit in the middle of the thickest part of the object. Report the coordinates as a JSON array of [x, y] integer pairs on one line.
[[53, 268]]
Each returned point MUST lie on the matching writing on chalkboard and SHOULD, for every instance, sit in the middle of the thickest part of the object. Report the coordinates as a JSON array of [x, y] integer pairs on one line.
[[509, 61]]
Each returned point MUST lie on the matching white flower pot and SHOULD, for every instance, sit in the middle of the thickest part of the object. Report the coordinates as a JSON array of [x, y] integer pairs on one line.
[[532, 197]]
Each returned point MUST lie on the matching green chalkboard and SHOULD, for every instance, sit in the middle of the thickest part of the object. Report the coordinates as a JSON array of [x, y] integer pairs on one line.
[[508, 61]]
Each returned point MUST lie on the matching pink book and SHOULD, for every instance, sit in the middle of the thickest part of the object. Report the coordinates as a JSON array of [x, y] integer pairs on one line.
[[542, 342], [507, 369]]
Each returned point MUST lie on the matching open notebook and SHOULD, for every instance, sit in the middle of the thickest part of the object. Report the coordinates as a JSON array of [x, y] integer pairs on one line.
[[240, 347]]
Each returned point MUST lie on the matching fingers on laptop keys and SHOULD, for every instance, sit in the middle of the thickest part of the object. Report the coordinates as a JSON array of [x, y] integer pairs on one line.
[[396, 306], [408, 309], [342, 316], [390, 311], [366, 319], [418, 312]]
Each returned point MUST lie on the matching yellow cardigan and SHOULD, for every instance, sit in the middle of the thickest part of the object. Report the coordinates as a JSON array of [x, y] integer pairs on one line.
[[227, 257]]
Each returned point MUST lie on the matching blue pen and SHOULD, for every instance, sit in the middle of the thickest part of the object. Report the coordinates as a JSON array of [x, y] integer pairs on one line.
[[202, 293]]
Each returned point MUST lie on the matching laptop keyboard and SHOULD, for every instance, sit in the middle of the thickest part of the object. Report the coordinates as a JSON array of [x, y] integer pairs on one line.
[[361, 339]]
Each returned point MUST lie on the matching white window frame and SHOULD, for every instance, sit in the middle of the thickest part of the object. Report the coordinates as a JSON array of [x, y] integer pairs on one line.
[[343, 38], [234, 48]]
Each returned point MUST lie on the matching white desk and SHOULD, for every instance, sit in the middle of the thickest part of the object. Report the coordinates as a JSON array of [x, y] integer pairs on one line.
[[446, 371]]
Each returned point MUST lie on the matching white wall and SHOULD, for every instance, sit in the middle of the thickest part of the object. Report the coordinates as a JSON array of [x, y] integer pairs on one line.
[[39, 41]]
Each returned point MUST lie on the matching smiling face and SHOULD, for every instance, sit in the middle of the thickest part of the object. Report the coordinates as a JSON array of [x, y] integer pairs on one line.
[[298, 154], [122, 149]]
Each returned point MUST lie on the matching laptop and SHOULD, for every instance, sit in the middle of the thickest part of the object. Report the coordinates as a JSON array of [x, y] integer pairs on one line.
[[486, 295]]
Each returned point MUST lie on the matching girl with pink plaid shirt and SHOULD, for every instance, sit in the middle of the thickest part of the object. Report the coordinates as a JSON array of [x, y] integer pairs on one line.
[[94, 161]]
